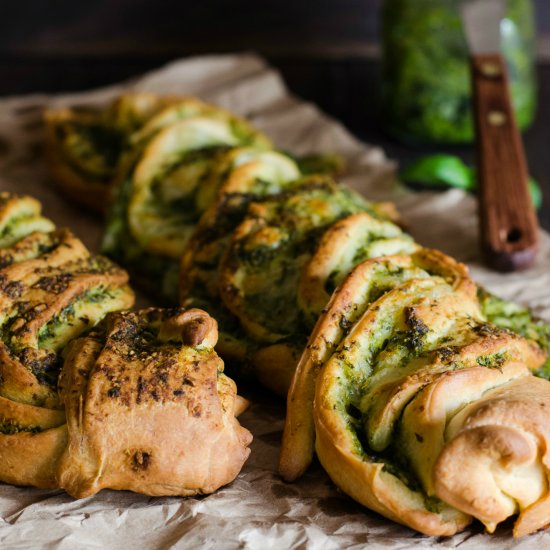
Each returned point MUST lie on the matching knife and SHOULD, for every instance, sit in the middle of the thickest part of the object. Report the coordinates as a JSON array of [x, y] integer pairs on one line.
[[508, 222]]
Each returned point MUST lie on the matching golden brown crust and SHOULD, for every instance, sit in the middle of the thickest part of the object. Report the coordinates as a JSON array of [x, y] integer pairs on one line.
[[57, 274], [412, 388], [347, 304], [32, 458], [170, 399], [497, 457]]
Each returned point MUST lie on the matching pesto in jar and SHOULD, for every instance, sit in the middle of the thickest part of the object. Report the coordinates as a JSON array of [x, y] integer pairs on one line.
[[425, 69]]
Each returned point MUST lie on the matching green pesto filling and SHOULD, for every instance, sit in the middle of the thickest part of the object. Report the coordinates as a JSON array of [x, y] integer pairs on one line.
[[156, 274], [73, 320], [10, 227], [300, 222], [394, 461], [92, 150], [20, 226], [519, 320], [11, 427], [184, 209], [494, 360]]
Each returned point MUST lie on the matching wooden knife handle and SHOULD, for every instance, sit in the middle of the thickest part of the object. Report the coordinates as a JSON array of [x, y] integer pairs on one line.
[[508, 222]]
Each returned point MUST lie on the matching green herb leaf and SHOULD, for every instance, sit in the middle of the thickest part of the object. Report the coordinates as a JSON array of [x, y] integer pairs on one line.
[[439, 172]]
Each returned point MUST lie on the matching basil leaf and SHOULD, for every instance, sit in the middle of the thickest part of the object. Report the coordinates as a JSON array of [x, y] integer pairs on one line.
[[439, 172]]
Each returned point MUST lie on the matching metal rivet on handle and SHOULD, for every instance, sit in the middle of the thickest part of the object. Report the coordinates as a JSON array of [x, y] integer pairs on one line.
[[490, 69], [496, 118]]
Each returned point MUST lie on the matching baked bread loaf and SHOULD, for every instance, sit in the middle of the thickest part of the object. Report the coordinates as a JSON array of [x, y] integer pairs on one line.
[[415, 386], [187, 175], [84, 145], [149, 408], [423, 411], [163, 187], [51, 291]]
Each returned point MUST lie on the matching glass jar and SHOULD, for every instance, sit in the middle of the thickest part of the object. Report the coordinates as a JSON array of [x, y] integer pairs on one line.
[[426, 74]]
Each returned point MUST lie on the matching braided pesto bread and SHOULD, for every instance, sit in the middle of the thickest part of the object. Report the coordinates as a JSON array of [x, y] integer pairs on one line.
[[260, 269], [51, 291], [149, 408], [186, 173], [84, 145], [405, 386], [163, 187], [151, 376]]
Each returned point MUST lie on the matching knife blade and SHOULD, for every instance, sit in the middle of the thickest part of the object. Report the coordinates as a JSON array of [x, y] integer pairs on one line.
[[508, 222], [481, 20]]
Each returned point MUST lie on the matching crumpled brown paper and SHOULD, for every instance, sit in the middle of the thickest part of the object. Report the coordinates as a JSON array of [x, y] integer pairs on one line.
[[258, 510]]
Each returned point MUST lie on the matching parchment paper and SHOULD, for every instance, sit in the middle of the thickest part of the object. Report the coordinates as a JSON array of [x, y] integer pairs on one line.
[[258, 510]]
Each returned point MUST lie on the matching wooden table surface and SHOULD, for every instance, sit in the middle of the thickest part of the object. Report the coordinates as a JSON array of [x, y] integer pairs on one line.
[[345, 88]]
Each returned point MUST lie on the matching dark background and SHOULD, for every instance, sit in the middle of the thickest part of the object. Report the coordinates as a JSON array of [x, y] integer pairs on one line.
[[326, 50], [151, 28]]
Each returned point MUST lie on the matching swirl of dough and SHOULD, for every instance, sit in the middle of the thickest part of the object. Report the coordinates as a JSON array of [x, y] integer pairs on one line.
[[346, 244], [399, 365], [364, 285], [496, 458], [51, 291]]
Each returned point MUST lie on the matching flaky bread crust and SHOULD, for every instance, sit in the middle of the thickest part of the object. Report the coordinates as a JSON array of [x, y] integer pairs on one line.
[[392, 390], [32, 458], [347, 304], [155, 416], [498, 452], [348, 242], [40, 288]]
